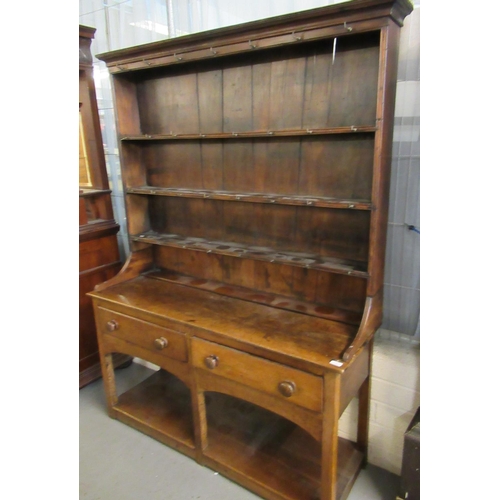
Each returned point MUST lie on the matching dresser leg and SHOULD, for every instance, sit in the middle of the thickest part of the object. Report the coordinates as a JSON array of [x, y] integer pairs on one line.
[[200, 420], [108, 377], [363, 412], [329, 441], [364, 409]]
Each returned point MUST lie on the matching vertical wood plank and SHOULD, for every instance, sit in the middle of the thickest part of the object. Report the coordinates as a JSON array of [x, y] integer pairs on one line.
[[317, 87], [274, 226], [273, 278], [238, 164], [212, 165], [188, 217], [304, 284], [239, 223], [237, 98], [287, 89], [277, 165], [173, 164], [353, 96], [210, 213], [210, 98], [335, 233], [261, 94], [347, 292], [191, 263], [170, 104], [239, 272], [338, 166], [329, 440], [210, 101]]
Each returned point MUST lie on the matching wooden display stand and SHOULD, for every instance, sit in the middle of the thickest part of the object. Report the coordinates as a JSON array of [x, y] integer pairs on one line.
[[98, 246], [256, 163]]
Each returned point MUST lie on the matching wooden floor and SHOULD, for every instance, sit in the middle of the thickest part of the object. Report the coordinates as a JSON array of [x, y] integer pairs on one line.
[[117, 461]]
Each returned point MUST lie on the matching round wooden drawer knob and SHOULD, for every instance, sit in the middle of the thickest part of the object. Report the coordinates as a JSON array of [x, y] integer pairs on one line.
[[211, 362], [161, 343], [112, 325], [286, 388]]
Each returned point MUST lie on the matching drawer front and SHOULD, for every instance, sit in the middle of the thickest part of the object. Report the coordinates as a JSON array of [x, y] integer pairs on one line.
[[142, 333], [290, 384]]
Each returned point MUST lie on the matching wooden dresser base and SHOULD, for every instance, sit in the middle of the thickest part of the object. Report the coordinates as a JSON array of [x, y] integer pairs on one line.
[[233, 415]]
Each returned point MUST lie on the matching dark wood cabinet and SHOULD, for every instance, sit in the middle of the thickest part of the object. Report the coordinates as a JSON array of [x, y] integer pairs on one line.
[[98, 247], [255, 161]]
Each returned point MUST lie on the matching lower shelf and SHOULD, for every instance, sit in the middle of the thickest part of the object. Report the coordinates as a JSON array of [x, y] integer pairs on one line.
[[266, 254], [160, 406], [257, 447], [260, 450]]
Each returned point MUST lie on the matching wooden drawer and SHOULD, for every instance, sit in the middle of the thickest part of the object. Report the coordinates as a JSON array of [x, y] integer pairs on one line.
[[142, 333], [278, 380]]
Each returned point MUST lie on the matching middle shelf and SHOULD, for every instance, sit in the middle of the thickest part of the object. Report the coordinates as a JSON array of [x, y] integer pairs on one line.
[[295, 132], [335, 167]]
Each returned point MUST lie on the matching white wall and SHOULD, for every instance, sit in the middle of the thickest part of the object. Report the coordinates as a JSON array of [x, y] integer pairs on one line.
[[395, 397]]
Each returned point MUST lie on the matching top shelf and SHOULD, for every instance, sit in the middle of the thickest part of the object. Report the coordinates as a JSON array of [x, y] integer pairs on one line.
[[353, 129], [278, 199]]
